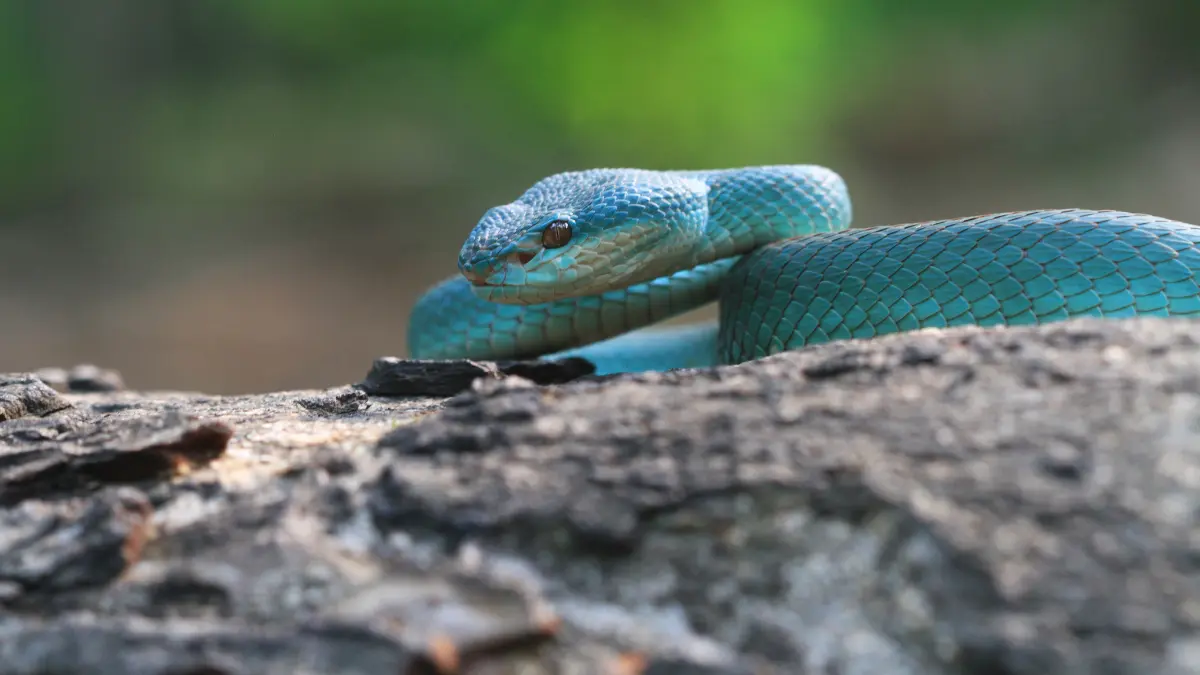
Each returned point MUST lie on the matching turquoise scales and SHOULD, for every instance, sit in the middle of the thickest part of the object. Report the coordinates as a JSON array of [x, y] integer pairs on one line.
[[771, 244]]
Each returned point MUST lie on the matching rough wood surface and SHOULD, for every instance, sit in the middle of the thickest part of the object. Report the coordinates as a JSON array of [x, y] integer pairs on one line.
[[964, 501]]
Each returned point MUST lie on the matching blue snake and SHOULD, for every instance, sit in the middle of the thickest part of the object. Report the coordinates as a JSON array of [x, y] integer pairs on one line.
[[584, 261]]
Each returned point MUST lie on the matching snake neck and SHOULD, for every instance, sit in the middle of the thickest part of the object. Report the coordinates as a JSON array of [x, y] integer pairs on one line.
[[751, 207]]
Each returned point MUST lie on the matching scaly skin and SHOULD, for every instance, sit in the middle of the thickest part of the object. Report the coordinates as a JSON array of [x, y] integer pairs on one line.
[[772, 245]]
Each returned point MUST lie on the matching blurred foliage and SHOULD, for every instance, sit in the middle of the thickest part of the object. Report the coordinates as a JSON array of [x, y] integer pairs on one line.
[[667, 82], [672, 81], [25, 131], [261, 100]]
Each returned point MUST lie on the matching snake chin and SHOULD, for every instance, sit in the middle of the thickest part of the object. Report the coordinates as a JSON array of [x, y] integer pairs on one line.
[[509, 294], [518, 279]]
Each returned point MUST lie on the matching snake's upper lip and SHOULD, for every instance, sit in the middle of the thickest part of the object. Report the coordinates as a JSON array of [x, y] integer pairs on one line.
[[476, 278], [476, 274], [497, 267]]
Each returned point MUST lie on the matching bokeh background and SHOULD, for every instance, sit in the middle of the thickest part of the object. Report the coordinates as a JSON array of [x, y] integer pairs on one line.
[[243, 195]]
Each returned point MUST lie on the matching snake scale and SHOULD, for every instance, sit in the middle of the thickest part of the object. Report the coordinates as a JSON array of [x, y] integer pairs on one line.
[[583, 261]]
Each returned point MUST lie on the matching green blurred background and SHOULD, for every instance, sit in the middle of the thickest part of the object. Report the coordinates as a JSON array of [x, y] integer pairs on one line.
[[242, 195]]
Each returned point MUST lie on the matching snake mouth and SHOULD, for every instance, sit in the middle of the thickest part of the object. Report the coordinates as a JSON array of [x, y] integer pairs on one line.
[[474, 276], [479, 276]]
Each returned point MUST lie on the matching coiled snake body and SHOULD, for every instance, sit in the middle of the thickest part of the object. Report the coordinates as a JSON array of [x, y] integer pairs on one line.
[[583, 258]]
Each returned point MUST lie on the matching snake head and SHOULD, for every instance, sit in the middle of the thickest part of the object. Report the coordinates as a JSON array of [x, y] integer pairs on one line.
[[584, 233]]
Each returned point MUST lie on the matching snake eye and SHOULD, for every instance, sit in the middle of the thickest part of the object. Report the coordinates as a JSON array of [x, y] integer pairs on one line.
[[556, 234]]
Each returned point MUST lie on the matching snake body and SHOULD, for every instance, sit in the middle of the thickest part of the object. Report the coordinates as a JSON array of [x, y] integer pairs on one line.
[[771, 244]]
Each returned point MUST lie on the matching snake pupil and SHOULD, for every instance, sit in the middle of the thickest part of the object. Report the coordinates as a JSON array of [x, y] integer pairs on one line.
[[556, 234]]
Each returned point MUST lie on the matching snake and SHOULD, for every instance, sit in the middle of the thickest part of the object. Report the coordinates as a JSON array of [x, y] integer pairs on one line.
[[590, 263]]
